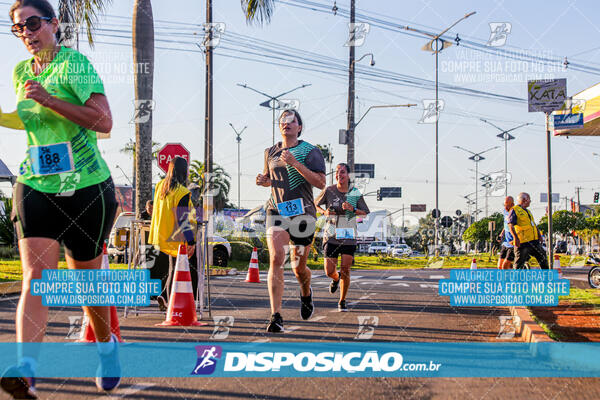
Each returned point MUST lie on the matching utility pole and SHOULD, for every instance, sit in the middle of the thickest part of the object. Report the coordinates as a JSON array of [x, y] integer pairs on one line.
[[208, 127], [238, 138], [350, 125], [330, 163], [566, 198], [577, 189]]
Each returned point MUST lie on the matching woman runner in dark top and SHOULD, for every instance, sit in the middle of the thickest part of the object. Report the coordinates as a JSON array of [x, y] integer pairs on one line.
[[342, 204], [292, 168]]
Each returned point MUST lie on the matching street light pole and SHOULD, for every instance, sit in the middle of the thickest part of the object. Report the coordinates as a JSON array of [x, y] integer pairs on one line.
[[505, 136], [430, 47], [476, 157], [271, 103], [238, 138]]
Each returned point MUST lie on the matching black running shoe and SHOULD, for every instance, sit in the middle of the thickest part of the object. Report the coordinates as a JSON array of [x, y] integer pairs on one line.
[[307, 308], [333, 286], [276, 324], [19, 382], [342, 306]]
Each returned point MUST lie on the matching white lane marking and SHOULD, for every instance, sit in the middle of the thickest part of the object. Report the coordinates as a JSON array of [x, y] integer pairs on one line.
[[401, 284], [320, 283], [427, 285], [395, 277], [265, 340], [320, 317], [436, 277], [575, 278], [11, 298], [292, 328], [371, 282], [367, 296], [356, 277], [314, 276], [352, 303], [128, 391], [289, 280]]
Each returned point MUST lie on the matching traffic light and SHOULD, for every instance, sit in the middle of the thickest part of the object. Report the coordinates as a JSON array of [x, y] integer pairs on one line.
[[378, 195], [596, 197]]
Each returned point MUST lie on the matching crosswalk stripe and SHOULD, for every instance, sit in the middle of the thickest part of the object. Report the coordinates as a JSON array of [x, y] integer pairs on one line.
[[400, 284], [395, 277]]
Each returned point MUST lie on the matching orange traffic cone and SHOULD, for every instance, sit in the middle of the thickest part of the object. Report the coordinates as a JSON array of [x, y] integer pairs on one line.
[[474, 264], [252, 275], [556, 265], [87, 332], [181, 311]]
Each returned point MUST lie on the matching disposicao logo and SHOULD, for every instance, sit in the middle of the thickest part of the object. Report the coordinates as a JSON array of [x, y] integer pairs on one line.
[[207, 359]]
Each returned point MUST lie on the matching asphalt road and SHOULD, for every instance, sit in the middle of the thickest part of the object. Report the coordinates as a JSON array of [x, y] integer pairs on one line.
[[395, 305]]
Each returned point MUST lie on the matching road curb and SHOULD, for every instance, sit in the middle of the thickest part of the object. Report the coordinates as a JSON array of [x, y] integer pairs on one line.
[[11, 287], [526, 327]]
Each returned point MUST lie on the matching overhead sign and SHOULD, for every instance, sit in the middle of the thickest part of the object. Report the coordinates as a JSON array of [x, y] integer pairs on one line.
[[390, 192], [418, 207], [544, 197], [169, 152], [568, 121], [546, 95], [364, 170]]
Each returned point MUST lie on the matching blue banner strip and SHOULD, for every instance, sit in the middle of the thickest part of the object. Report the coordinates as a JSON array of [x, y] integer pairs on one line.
[[318, 359]]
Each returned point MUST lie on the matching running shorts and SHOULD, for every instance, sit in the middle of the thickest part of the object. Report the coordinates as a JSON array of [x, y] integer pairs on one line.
[[334, 250], [507, 253], [301, 228], [80, 219]]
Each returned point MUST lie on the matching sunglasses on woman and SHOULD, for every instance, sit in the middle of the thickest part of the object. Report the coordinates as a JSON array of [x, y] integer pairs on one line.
[[32, 23]]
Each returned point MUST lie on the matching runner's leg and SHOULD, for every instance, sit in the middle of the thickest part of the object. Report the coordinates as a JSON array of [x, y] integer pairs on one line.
[[298, 257], [345, 275], [277, 238], [99, 316], [36, 254], [331, 268]]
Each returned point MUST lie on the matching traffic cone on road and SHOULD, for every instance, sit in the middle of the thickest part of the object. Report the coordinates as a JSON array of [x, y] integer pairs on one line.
[[556, 265], [474, 264], [87, 332], [181, 310], [252, 275]]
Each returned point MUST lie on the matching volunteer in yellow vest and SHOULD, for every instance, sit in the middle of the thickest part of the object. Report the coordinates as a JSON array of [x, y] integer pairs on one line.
[[527, 237], [171, 225]]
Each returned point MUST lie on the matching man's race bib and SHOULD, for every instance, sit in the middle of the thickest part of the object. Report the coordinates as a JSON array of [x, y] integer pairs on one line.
[[291, 208], [344, 233], [51, 159]]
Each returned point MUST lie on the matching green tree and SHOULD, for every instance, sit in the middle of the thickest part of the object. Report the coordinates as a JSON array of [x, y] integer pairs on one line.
[[259, 11], [220, 182], [565, 222], [82, 12], [479, 233]]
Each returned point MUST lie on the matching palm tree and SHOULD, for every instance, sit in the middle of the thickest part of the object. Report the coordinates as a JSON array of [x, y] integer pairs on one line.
[[259, 11], [82, 11], [220, 183], [143, 56]]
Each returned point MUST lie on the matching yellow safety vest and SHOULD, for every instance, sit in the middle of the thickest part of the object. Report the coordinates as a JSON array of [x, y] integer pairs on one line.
[[165, 232], [525, 227]]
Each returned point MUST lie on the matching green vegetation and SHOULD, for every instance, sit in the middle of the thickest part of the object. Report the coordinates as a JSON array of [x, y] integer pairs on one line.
[[584, 297]]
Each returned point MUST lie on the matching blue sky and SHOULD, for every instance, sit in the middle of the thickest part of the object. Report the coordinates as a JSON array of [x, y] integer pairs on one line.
[[401, 148]]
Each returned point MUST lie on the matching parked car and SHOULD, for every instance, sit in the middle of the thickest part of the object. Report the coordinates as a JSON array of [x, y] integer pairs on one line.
[[401, 250], [377, 247]]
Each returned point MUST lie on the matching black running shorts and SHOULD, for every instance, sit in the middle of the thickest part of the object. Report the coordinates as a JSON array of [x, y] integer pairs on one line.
[[81, 219], [334, 250], [507, 253], [301, 228]]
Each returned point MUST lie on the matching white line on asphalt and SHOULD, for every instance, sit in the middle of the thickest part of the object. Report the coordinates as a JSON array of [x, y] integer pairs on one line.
[[576, 278], [13, 298], [320, 283], [292, 328], [320, 317], [427, 285], [356, 277], [127, 391], [352, 303], [264, 340], [400, 284], [395, 277], [365, 297], [436, 276]]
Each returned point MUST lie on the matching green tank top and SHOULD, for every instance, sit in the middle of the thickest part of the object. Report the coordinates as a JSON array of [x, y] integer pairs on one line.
[[61, 155]]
